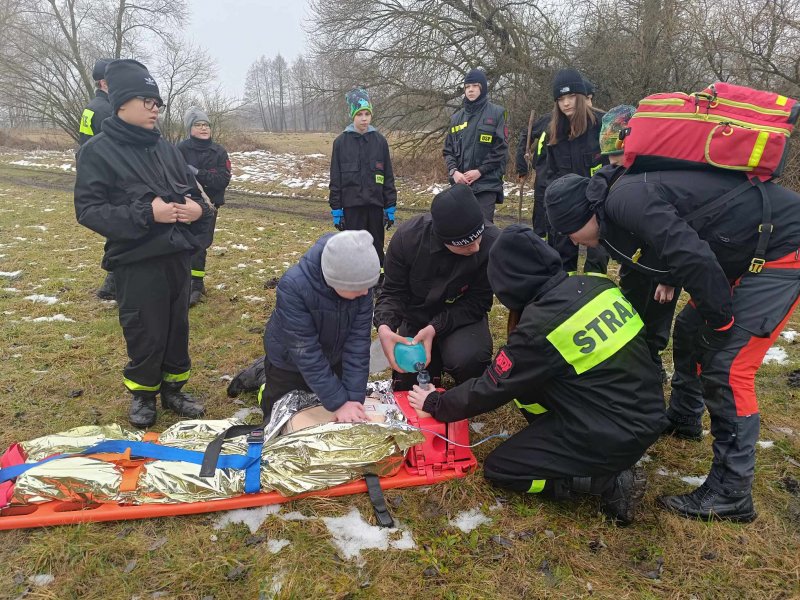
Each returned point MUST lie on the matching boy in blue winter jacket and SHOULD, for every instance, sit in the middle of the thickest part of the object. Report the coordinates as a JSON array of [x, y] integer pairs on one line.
[[318, 337]]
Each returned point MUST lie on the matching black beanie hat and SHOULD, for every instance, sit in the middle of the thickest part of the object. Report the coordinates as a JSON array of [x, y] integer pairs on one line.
[[457, 216], [569, 81], [127, 79], [99, 71], [477, 76], [520, 262], [567, 205]]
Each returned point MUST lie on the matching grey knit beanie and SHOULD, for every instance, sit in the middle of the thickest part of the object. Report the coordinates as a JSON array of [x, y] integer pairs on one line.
[[350, 262], [193, 114]]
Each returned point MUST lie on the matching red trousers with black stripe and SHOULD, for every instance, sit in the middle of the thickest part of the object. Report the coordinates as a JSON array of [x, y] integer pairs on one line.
[[762, 305]]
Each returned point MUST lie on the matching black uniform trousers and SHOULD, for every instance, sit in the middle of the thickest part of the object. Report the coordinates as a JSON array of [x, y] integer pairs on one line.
[[369, 218], [639, 289], [279, 382], [153, 300], [199, 257], [463, 353], [723, 380], [533, 461], [487, 200], [539, 218]]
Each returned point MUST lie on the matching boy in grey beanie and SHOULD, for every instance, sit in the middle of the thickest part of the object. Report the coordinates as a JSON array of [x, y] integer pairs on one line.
[[318, 337]]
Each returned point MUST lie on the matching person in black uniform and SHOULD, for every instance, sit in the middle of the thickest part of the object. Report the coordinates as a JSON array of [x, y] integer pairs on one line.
[[436, 289], [133, 187], [578, 368], [711, 232], [537, 153], [209, 163], [97, 111], [362, 191], [476, 146], [654, 298], [573, 147]]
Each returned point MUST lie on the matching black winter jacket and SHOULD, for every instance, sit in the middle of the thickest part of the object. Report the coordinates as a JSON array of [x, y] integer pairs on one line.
[[361, 171], [579, 351], [424, 283], [120, 172], [643, 215], [479, 140], [212, 164], [97, 111], [580, 156], [313, 328]]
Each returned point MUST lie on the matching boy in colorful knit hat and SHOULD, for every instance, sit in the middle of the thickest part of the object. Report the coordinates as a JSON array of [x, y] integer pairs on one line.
[[362, 191], [614, 121]]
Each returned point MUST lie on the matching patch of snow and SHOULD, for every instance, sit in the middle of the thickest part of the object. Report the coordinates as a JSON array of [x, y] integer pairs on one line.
[[789, 335], [39, 227], [646, 458], [41, 580], [765, 443], [243, 413], [10, 289], [477, 427], [255, 299], [220, 286], [252, 517], [776, 355], [352, 534], [295, 516], [784, 430], [468, 520], [692, 480], [275, 546], [58, 317], [42, 298], [277, 586], [240, 247], [10, 274]]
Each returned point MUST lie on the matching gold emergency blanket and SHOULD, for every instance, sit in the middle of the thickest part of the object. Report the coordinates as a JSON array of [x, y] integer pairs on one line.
[[310, 459]]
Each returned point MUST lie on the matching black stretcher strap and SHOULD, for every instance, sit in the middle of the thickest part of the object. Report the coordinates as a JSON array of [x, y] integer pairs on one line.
[[378, 501], [211, 455]]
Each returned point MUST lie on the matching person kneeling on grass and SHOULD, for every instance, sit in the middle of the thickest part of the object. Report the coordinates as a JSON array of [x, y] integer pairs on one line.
[[318, 337], [578, 368]]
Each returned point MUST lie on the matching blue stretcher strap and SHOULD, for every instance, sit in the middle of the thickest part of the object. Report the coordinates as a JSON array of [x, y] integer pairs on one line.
[[252, 474], [155, 451]]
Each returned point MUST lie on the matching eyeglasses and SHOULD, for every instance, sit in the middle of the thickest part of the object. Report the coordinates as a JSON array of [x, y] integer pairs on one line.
[[151, 103], [202, 125]]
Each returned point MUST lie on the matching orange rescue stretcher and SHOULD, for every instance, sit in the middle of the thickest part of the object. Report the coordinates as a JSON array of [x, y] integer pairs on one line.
[[433, 461]]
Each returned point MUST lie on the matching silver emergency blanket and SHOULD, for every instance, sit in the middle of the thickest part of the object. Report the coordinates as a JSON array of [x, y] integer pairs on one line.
[[309, 459]]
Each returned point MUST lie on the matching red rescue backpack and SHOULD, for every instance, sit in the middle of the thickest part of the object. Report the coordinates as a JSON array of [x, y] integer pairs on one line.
[[725, 126]]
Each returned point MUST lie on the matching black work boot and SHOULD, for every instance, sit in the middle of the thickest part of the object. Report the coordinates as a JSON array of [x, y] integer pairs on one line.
[[620, 500], [198, 291], [107, 291], [181, 403], [684, 431], [706, 503], [142, 413]]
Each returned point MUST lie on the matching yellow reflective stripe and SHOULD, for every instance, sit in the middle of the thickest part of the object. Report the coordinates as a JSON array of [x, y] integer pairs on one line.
[[261, 392], [713, 119], [196, 273], [597, 331], [590, 274], [595, 169], [534, 409], [86, 122], [379, 178], [457, 128], [781, 100], [753, 107], [486, 138], [176, 377], [541, 143], [537, 486], [758, 149], [663, 102], [138, 387]]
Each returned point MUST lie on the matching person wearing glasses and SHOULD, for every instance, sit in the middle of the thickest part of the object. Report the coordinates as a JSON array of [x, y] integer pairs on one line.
[[133, 188], [209, 163]]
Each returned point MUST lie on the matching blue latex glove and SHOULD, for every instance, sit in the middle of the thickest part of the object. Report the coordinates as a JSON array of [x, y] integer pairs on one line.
[[338, 218], [388, 217]]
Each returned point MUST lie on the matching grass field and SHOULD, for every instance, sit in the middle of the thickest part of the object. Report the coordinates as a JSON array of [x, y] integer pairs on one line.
[[528, 548]]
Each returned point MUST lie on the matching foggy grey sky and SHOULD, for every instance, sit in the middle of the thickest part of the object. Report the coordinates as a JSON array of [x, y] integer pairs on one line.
[[237, 32]]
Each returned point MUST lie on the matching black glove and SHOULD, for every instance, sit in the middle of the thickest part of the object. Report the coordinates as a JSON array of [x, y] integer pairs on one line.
[[712, 339], [340, 224]]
